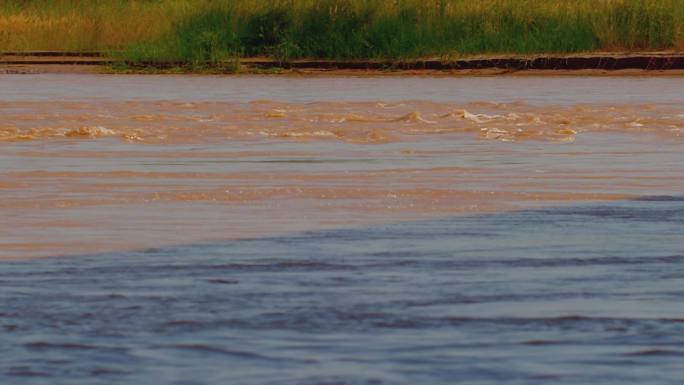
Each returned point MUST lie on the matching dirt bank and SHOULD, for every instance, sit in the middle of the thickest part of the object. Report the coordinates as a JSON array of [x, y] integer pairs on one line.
[[628, 64]]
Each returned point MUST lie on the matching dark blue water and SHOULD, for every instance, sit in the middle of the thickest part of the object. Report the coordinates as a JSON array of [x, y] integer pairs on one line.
[[589, 294]]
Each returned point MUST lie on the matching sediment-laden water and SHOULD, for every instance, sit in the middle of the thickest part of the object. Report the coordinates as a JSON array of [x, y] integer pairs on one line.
[[262, 230]]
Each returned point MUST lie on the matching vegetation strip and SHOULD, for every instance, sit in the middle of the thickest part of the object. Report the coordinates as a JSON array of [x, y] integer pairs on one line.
[[196, 32]]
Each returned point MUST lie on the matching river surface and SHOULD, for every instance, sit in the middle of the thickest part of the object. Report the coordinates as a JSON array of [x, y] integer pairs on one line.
[[341, 230]]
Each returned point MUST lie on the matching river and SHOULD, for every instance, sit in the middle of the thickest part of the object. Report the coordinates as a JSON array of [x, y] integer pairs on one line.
[[340, 230]]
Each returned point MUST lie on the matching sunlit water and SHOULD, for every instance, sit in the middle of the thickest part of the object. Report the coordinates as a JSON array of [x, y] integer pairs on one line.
[[260, 230]]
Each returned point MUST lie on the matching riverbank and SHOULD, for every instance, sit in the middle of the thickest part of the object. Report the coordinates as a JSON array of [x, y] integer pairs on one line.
[[601, 63]]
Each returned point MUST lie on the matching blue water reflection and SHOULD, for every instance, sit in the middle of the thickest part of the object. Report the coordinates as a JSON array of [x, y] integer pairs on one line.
[[573, 295]]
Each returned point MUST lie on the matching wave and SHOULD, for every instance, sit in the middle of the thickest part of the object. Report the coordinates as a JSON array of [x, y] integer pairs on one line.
[[367, 122]]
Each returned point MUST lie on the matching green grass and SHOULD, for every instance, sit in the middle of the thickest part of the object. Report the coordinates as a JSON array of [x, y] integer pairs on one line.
[[211, 33]]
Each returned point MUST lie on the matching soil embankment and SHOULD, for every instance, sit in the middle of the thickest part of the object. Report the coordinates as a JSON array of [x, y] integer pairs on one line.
[[592, 63]]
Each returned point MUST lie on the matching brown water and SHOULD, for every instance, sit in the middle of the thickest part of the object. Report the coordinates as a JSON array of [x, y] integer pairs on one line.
[[260, 230], [136, 167]]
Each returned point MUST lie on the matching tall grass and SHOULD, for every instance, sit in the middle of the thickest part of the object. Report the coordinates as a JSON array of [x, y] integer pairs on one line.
[[85, 25], [206, 31]]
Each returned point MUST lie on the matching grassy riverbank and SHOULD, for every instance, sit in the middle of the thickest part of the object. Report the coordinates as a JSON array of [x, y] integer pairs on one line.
[[211, 32]]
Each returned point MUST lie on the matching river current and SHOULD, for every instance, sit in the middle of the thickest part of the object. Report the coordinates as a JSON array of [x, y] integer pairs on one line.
[[341, 230]]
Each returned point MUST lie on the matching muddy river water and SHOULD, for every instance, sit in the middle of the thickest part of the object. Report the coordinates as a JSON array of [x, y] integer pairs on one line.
[[341, 230]]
